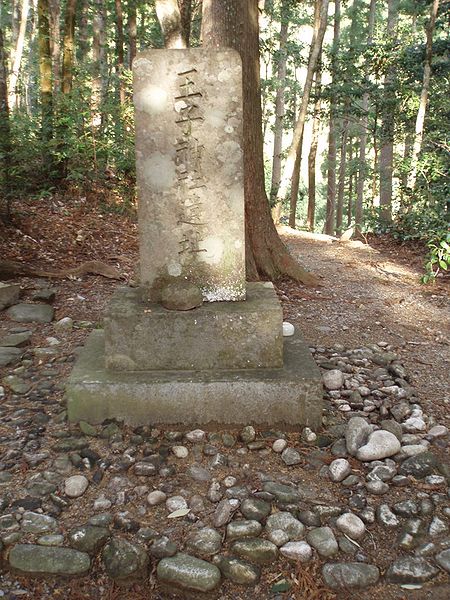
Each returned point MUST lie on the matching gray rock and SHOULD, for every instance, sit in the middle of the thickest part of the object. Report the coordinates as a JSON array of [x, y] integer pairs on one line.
[[15, 340], [37, 523], [377, 487], [339, 469], [443, 559], [298, 551], [52, 560], [9, 356], [181, 295], [410, 570], [287, 523], [176, 503], [256, 550], [75, 486], [284, 494], [406, 508], [323, 540], [419, 466], [248, 434], [163, 547], [198, 473], [88, 538], [223, 513], [400, 410], [238, 571], [156, 497], [64, 324], [51, 540], [291, 457], [394, 427], [188, 572], [380, 444], [17, 384], [279, 445], [356, 434], [255, 509], [9, 294], [29, 313], [243, 528], [437, 526], [382, 472], [205, 542], [351, 525], [145, 469], [124, 560], [350, 575], [333, 379], [386, 517]]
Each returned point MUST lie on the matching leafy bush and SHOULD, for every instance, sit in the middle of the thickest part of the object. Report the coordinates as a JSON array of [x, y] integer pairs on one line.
[[438, 258]]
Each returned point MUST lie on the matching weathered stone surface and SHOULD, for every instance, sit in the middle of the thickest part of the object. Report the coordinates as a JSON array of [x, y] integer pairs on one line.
[[224, 335], [410, 569], [333, 379], [88, 538], [285, 494], [239, 571], [188, 573], [194, 155], [256, 509], [351, 525], [181, 295], [243, 528], [256, 550], [291, 395], [9, 294], [205, 542], [356, 434], [381, 444], [339, 469], [443, 559], [75, 486], [124, 560], [29, 313], [298, 551], [350, 575], [9, 355], [15, 340], [323, 540], [287, 523], [37, 523], [419, 466], [34, 559]]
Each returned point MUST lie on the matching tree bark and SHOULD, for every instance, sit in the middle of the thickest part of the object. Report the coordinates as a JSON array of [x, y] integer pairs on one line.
[[313, 153], [45, 82], [362, 168], [342, 173], [98, 64], [332, 134], [387, 127], [55, 43], [5, 135], [292, 167], [132, 31], [18, 55], [279, 113], [83, 32], [185, 7], [234, 23], [68, 47], [169, 17], [120, 49], [420, 120]]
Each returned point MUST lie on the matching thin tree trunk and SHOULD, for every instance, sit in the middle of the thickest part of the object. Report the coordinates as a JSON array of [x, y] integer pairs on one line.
[[5, 135], [119, 49], [235, 24], [362, 167], [313, 153], [279, 113], [68, 47], [132, 31], [98, 63], [18, 55], [342, 173], [350, 189], [83, 32], [55, 43], [418, 138], [387, 127], [292, 167], [45, 82], [332, 134], [169, 17], [185, 7]]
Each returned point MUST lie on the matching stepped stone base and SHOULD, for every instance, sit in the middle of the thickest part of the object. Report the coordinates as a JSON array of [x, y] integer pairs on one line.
[[289, 396]]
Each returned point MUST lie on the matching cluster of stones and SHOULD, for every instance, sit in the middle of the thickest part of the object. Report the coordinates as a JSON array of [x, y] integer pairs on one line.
[[183, 501]]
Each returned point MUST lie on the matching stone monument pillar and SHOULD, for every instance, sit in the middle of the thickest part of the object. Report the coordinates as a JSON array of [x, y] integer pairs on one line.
[[224, 361]]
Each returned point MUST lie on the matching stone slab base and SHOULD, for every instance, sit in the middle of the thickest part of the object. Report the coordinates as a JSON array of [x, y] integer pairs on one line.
[[144, 336], [288, 396]]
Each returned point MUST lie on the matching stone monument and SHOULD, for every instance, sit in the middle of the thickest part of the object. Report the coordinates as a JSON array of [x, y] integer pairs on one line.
[[195, 343]]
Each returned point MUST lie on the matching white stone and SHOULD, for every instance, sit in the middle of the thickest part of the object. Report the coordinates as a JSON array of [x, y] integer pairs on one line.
[[288, 329], [438, 431], [414, 424], [300, 551], [381, 444], [308, 435], [278, 537], [413, 449], [75, 486], [196, 435], [229, 481], [102, 503], [339, 469], [180, 451], [351, 525], [176, 503], [333, 379], [156, 497], [65, 323], [279, 445]]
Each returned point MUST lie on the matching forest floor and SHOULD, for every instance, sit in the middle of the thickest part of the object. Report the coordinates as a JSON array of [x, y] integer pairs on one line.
[[370, 293]]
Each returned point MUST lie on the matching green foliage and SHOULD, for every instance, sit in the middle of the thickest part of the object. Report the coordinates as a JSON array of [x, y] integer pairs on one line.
[[438, 257]]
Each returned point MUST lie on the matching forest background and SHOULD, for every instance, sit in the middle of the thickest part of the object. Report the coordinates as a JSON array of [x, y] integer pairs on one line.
[[354, 94]]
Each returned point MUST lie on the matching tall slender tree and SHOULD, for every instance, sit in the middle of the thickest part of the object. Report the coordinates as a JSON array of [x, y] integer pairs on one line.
[[120, 49], [45, 82], [68, 47], [169, 17], [18, 54], [5, 134], [310, 220]]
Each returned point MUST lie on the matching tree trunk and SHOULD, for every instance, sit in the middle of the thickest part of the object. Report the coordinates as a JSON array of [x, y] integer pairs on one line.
[[313, 153], [279, 113], [83, 32], [350, 189], [45, 82], [5, 135], [68, 47], [98, 64], [292, 167], [342, 173], [234, 23], [418, 138], [18, 55], [132, 31], [332, 134], [119, 49], [387, 127], [55, 43], [169, 17], [185, 7], [362, 168]]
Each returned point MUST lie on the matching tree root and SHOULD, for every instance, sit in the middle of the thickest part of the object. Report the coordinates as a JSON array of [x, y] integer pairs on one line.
[[10, 269]]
